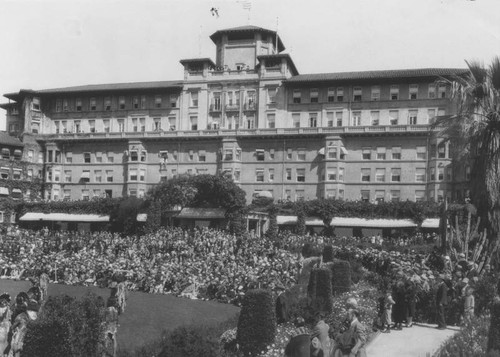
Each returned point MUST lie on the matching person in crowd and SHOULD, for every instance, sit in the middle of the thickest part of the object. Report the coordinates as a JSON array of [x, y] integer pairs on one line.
[[441, 302], [5, 323], [411, 301], [354, 339], [387, 312], [469, 304], [399, 310]]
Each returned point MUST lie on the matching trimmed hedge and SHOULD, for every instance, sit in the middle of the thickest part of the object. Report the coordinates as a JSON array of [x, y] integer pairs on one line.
[[328, 254], [341, 270], [494, 332], [257, 322], [319, 291]]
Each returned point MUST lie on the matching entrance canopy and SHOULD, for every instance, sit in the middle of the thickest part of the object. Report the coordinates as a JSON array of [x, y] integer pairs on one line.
[[63, 217], [360, 222], [202, 213]]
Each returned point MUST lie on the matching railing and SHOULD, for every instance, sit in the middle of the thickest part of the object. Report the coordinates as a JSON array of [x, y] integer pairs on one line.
[[250, 106], [232, 107], [241, 132]]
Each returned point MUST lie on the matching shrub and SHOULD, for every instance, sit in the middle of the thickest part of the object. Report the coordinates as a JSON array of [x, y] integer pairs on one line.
[[67, 327], [470, 341], [328, 253], [484, 292], [494, 332], [320, 291], [257, 322], [341, 276]]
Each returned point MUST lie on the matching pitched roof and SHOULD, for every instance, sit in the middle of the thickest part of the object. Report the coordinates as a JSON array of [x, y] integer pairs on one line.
[[203, 60], [383, 74], [114, 87], [248, 28], [6, 139], [282, 55]]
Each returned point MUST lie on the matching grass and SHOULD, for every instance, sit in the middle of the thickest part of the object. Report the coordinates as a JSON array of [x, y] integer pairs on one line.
[[146, 315]]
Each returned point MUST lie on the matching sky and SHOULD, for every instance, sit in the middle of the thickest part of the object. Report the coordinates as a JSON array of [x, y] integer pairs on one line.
[[58, 43]]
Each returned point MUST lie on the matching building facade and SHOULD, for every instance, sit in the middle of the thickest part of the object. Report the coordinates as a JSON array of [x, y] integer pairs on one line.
[[251, 116]]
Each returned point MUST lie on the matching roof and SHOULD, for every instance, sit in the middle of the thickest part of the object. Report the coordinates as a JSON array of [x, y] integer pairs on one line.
[[202, 213], [195, 60], [373, 75], [8, 105], [282, 55], [248, 28], [63, 217], [115, 87], [6, 139]]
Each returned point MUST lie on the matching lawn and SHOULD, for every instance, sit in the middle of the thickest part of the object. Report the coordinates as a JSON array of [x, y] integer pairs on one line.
[[146, 315]]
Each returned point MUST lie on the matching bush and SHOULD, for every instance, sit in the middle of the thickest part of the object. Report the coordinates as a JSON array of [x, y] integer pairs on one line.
[[494, 332], [328, 253], [484, 292], [341, 276], [67, 327], [470, 341], [320, 291], [257, 322]]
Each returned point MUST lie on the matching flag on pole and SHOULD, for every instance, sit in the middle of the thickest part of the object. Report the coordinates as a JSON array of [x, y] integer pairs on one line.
[[246, 4]]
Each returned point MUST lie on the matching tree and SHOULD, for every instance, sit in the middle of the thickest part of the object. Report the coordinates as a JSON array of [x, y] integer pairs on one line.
[[475, 132]]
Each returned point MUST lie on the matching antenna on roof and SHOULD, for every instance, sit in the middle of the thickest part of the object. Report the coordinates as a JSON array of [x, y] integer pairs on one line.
[[277, 26], [247, 5]]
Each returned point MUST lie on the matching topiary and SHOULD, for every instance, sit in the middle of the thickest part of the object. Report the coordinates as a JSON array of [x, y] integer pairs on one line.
[[494, 333], [319, 291], [341, 276], [257, 322], [328, 254]]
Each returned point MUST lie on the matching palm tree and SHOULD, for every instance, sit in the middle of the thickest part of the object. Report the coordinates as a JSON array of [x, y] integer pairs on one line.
[[475, 132]]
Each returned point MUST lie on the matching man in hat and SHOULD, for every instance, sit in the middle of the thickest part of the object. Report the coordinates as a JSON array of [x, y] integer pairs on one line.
[[282, 305], [441, 302]]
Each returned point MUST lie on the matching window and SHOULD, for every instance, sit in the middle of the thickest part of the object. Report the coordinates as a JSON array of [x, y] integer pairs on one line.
[[5, 153], [356, 118], [260, 155], [132, 192], [375, 115], [395, 195], [67, 175], [171, 123], [296, 96], [157, 101], [86, 157], [93, 104], [107, 103], [30, 174], [296, 120], [109, 175], [174, 155], [412, 117], [394, 92], [110, 157], [440, 173], [65, 105], [380, 175], [92, 126], [379, 196], [142, 124], [314, 95], [365, 195], [202, 156], [238, 154], [331, 94], [420, 174], [301, 154], [376, 93], [441, 150], [301, 175], [97, 176], [85, 178], [271, 121], [331, 193], [173, 101], [250, 121], [40, 157], [329, 119], [97, 192], [394, 117], [340, 94], [4, 172], [432, 91], [66, 195], [134, 155], [413, 91], [121, 102], [339, 117], [271, 154], [193, 122], [365, 175], [341, 175], [381, 153], [288, 174], [142, 175], [157, 124], [331, 174], [259, 175], [421, 153], [58, 105], [431, 115], [366, 153], [299, 195], [193, 99], [135, 127], [35, 105], [271, 95], [237, 176], [441, 112], [396, 152], [190, 155], [85, 194], [419, 195], [143, 102], [135, 102], [313, 120], [288, 194], [433, 174], [271, 175], [395, 175], [144, 155], [132, 175], [77, 126], [228, 155], [121, 125], [332, 152], [442, 91], [289, 154], [105, 124], [357, 94]]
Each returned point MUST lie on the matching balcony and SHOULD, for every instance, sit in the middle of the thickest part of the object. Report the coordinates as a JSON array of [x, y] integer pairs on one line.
[[232, 107], [250, 106], [215, 108]]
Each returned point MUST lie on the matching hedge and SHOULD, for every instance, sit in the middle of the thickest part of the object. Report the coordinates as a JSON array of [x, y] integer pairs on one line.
[[257, 322], [494, 332], [341, 276], [319, 291], [328, 254]]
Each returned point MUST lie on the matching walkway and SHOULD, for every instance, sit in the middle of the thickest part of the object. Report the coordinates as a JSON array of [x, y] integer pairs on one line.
[[418, 341]]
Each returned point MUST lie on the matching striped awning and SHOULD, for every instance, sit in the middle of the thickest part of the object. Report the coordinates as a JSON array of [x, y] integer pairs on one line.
[[63, 217]]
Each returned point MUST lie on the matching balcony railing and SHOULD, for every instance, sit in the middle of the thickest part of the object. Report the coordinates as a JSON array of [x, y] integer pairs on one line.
[[232, 107]]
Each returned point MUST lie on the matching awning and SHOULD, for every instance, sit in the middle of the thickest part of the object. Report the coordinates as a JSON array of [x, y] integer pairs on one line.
[[4, 191], [350, 222], [321, 151], [142, 217], [430, 223], [63, 217], [202, 213], [85, 174], [266, 194], [288, 220], [343, 150]]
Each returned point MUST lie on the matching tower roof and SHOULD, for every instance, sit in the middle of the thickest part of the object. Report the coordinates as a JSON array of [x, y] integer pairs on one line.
[[248, 29]]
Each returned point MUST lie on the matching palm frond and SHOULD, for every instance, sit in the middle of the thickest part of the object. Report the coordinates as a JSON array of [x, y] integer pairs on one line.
[[495, 73], [477, 71]]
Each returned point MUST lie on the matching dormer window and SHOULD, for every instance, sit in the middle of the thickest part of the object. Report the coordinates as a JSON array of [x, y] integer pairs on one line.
[[35, 105], [78, 104]]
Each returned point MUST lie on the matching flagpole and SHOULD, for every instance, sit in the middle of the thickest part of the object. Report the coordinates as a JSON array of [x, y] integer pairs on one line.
[[277, 27]]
